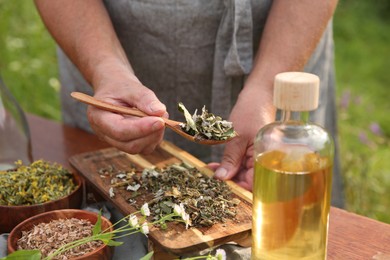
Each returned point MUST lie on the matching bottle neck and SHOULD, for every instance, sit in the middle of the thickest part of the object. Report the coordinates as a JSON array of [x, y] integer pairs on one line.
[[287, 115]]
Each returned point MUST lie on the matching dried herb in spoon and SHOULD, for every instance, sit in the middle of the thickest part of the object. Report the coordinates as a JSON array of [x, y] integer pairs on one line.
[[206, 125]]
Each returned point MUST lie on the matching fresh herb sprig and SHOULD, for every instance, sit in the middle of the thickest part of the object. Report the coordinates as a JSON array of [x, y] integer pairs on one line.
[[134, 224]]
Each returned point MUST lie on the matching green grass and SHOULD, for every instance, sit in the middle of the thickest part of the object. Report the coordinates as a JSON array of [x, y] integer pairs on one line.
[[27, 59], [362, 36]]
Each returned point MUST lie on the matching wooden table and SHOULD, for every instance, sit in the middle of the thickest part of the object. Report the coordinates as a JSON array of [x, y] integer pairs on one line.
[[350, 236]]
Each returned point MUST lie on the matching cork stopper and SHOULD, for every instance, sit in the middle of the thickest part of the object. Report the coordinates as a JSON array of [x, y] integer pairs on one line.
[[296, 91]]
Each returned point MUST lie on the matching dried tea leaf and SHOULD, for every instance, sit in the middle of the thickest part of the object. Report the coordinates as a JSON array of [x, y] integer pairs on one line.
[[206, 125], [206, 200], [190, 123]]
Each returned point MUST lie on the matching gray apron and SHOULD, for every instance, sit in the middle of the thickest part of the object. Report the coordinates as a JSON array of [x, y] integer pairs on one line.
[[197, 52]]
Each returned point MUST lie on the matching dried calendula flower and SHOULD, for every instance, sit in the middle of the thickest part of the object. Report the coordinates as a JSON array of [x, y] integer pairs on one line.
[[36, 183], [206, 125]]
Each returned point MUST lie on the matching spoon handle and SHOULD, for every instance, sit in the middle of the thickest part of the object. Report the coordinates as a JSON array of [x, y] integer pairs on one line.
[[106, 106], [174, 125]]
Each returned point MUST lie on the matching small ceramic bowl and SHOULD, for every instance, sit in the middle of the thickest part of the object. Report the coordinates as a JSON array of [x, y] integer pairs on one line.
[[13, 215], [102, 253]]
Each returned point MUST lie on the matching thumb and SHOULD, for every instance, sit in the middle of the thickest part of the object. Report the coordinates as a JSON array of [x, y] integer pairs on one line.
[[231, 161], [147, 101]]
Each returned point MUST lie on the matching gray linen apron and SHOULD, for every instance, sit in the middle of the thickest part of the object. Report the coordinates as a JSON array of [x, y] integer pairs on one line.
[[197, 52]]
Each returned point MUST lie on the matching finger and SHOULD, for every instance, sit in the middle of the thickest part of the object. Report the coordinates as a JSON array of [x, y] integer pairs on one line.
[[145, 100], [145, 145], [245, 185], [244, 178], [232, 158], [123, 128], [132, 135], [132, 93], [129, 140], [213, 166]]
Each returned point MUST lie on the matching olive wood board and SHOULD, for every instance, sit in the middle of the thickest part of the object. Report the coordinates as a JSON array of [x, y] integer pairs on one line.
[[176, 239]]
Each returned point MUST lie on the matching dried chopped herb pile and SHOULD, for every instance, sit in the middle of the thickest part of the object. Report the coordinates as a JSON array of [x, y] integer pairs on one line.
[[206, 200], [206, 125], [36, 183], [47, 237]]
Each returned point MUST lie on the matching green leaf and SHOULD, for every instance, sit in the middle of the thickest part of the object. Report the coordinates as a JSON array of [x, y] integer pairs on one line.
[[97, 228], [147, 256], [106, 237], [114, 243], [107, 240], [24, 255], [190, 122]]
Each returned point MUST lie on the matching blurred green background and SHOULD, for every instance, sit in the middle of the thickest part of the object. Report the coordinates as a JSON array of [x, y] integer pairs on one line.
[[362, 36]]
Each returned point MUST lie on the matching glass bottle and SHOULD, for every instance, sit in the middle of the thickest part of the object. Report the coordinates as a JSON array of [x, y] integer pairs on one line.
[[292, 176], [15, 143]]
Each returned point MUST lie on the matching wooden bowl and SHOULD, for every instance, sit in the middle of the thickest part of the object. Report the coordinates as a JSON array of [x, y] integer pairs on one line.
[[13, 215], [102, 253]]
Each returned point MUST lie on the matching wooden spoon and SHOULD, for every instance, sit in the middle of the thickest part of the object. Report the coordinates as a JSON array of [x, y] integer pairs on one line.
[[174, 125]]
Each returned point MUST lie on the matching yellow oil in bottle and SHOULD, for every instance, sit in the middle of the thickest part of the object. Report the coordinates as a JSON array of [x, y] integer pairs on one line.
[[291, 204]]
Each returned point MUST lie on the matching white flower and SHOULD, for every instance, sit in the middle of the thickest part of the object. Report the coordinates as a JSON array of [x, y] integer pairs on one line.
[[145, 210], [182, 207], [220, 254], [133, 221], [186, 218], [177, 209], [180, 211], [145, 228], [111, 192]]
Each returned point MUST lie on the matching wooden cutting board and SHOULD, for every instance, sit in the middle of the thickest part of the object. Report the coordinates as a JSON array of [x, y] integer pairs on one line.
[[176, 239]]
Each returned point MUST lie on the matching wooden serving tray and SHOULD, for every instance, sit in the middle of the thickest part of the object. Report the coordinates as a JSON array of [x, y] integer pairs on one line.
[[175, 239]]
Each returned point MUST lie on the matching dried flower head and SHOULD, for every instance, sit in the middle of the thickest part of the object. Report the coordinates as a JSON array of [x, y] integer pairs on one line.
[[133, 187], [36, 183]]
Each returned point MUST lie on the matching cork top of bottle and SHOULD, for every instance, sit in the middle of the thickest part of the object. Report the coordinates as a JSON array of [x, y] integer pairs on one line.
[[296, 91]]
